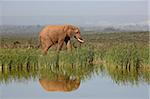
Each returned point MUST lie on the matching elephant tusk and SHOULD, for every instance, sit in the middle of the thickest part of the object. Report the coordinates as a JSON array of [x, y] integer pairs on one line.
[[80, 40]]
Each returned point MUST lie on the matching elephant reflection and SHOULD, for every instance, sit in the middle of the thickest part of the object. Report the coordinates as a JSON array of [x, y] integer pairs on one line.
[[60, 84]]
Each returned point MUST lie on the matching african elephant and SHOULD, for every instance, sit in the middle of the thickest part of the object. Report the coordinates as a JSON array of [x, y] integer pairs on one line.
[[53, 34]]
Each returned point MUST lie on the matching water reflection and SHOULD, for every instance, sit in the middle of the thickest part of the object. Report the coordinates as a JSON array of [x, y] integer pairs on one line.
[[126, 76], [66, 78], [60, 83]]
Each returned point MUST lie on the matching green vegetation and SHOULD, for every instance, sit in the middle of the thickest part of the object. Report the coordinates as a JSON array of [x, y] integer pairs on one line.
[[122, 56]]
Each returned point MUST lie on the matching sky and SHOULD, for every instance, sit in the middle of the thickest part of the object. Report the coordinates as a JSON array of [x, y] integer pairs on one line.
[[80, 12]]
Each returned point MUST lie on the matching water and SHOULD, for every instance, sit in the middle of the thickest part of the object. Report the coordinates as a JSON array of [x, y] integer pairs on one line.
[[52, 83], [96, 88]]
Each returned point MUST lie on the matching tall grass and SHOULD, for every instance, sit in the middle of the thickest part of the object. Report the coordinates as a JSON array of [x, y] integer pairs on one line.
[[125, 59], [128, 55]]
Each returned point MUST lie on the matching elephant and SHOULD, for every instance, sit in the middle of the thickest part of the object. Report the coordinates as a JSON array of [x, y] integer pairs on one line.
[[61, 83], [53, 34]]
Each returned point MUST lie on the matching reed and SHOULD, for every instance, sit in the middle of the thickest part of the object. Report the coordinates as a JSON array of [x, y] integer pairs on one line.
[[124, 55]]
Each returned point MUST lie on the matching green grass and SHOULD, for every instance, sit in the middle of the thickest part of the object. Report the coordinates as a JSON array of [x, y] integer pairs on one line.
[[122, 56]]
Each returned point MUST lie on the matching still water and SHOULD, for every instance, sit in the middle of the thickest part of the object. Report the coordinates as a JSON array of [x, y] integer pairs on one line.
[[96, 88], [52, 83]]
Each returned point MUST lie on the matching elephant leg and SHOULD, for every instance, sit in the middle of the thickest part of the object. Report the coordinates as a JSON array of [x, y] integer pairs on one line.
[[60, 45], [43, 46], [69, 47], [68, 44], [45, 50], [47, 45]]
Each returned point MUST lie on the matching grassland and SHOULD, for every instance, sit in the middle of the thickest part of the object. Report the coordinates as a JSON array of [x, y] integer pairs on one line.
[[123, 56]]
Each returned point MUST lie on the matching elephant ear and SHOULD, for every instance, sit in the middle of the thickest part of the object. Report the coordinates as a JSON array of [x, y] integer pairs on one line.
[[69, 30], [66, 28], [76, 30]]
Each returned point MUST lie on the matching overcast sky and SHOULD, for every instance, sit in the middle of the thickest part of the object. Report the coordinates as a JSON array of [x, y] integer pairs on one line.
[[73, 12]]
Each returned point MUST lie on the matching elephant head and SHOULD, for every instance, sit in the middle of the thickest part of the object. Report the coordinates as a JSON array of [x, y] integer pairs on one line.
[[73, 31]]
